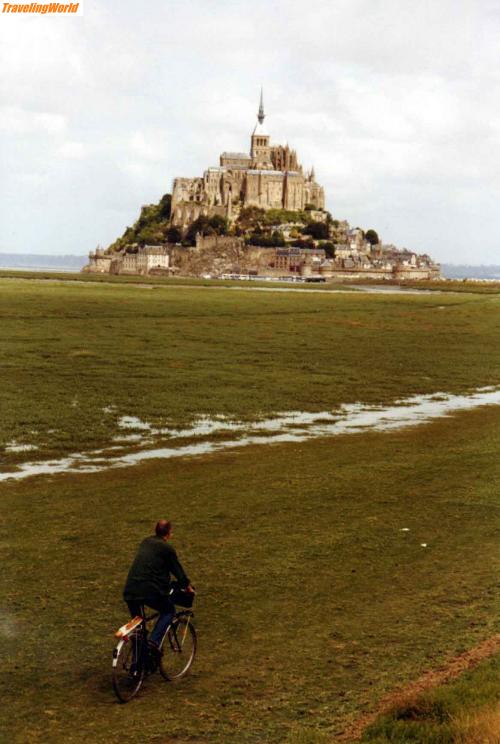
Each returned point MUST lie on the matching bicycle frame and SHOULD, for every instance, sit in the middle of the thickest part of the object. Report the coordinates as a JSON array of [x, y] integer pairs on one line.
[[129, 632], [188, 614], [134, 658]]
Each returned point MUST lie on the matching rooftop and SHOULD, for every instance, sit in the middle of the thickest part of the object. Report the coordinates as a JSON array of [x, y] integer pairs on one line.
[[238, 155], [266, 172]]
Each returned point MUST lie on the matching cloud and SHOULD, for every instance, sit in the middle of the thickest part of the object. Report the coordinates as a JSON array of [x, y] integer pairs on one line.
[[17, 121], [72, 150], [394, 102], [147, 145]]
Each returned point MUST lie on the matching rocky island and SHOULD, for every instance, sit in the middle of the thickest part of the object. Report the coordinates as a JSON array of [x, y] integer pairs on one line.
[[255, 215]]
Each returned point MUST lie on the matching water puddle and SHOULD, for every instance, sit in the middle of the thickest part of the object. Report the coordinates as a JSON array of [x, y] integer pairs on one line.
[[392, 289], [348, 289], [292, 426], [129, 438], [18, 447], [132, 422]]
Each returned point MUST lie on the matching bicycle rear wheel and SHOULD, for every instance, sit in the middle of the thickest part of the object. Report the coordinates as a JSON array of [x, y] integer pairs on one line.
[[178, 649], [128, 667]]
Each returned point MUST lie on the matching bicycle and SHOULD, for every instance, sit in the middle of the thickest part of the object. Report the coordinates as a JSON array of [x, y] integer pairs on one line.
[[133, 660]]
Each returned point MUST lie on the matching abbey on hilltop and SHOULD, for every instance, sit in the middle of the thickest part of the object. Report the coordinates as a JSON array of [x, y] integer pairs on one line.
[[270, 177], [254, 216]]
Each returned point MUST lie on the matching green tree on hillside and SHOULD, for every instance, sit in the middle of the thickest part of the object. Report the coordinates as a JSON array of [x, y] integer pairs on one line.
[[282, 216], [252, 216], [174, 235], [150, 227], [266, 240], [317, 230], [165, 207], [372, 237], [249, 216], [301, 243], [215, 225], [328, 247], [219, 224]]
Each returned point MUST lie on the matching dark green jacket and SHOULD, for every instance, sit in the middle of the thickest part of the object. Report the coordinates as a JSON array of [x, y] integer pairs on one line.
[[149, 574]]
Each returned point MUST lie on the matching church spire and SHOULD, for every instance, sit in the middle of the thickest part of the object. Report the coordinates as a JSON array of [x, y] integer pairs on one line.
[[261, 115]]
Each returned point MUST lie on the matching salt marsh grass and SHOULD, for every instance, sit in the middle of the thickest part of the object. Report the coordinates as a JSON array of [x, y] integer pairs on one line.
[[316, 596], [76, 358]]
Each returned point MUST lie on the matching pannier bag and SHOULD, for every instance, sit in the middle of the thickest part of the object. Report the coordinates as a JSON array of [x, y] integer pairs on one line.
[[181, 597]]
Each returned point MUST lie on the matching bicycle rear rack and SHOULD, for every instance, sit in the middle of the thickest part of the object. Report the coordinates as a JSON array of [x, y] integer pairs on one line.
[[129, 627]]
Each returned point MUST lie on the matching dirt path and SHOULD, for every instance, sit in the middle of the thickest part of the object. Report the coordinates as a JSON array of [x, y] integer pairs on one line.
[[432, 678]]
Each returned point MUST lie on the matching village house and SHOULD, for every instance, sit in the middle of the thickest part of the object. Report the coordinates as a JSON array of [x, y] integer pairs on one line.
[[139, 260], [298, 240]]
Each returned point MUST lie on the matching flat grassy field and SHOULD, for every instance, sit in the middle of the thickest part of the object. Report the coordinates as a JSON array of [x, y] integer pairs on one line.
[[164, 281], [74, 358], [439, 285], [312, 600]]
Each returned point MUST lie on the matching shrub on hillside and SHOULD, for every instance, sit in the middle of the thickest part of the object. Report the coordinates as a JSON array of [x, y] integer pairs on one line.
[[215, 225], [372, 237], [301, 243], [174, 235], [317, 230], [150, 227], [266, 240], [328, 247]]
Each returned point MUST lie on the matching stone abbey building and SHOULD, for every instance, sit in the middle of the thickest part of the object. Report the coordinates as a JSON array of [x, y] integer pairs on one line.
[[269, 177]]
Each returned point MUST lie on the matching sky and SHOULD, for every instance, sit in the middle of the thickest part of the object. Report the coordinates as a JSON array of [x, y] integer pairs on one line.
[[395, 102]]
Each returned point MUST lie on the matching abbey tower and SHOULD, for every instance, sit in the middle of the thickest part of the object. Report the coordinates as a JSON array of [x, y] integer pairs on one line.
[[269, 177]]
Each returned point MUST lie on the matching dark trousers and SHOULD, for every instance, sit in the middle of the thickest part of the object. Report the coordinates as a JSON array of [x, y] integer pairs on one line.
[[166, 609]]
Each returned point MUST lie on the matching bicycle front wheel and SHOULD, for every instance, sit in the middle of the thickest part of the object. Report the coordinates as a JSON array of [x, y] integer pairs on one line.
[[178, 649], [128, 668]]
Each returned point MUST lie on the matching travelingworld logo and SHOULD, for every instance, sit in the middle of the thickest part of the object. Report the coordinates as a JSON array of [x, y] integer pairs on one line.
[[43, 8]]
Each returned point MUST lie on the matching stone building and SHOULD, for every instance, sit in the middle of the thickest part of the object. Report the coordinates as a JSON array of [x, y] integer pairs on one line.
[[269, 177], [99, 262], [303, 261], [144, 260]]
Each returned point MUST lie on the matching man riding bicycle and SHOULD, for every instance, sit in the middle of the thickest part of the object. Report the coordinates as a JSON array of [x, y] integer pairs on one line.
[[148, 580]]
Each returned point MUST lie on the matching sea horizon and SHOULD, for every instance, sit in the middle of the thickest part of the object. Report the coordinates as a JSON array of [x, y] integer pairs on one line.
[[73, 262]]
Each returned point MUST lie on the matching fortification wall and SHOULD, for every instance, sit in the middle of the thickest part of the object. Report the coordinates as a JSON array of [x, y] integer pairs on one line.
[[98, 264], [410, 272], [222, 255]]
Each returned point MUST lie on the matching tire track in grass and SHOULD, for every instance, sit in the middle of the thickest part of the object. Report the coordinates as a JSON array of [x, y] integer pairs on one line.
[[432, 678]]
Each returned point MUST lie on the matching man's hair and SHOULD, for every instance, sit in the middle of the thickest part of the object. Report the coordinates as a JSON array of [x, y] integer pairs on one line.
[[163, 527]]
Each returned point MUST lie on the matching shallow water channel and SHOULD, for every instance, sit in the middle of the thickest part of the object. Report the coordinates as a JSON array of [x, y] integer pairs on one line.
[[293, 426]]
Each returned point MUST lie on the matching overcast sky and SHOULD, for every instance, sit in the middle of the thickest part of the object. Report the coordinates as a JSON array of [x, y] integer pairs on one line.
[[395, 102]]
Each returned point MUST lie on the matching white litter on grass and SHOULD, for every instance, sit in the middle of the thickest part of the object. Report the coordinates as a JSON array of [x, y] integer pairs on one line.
[[404, 529], [292, 426], [423, 545]]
